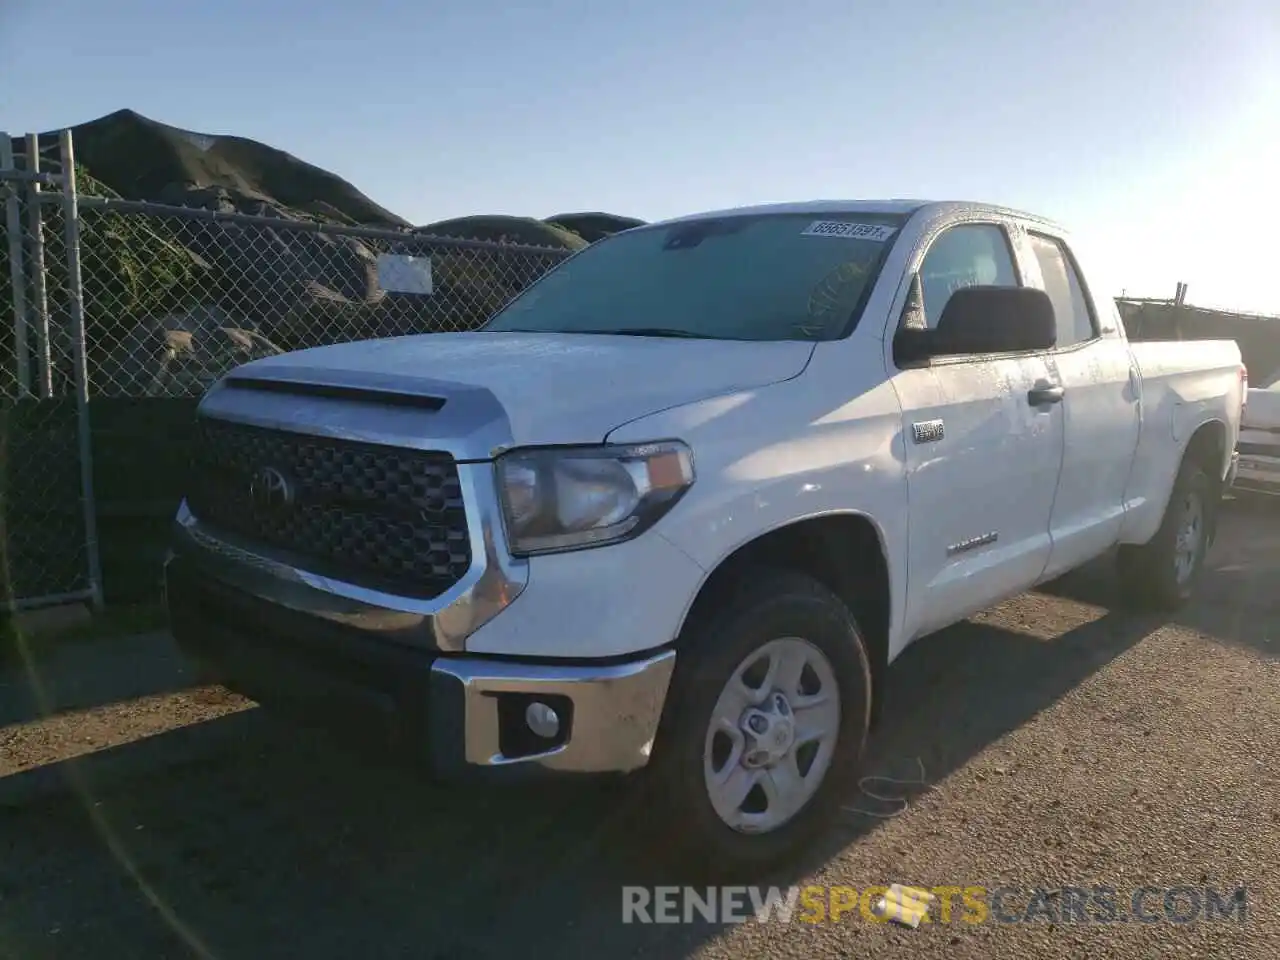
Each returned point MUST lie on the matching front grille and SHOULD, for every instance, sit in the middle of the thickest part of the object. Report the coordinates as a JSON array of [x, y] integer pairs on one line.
[[382, 517]]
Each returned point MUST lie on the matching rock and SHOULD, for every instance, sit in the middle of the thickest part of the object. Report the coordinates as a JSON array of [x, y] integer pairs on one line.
[[178, 355]]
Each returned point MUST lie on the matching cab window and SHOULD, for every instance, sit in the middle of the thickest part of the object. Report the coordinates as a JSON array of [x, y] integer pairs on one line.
[[968, 255], [1062, 284]]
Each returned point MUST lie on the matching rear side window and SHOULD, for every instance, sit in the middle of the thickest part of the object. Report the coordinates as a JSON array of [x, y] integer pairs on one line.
[[969, 255], [1062, 284]]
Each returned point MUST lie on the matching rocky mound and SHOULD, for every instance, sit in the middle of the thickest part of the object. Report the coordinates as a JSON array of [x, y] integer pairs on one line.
[[142, 159], [180, 354], [593, 226]]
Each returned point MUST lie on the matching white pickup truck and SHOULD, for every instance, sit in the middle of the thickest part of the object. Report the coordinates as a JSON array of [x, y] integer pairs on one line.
[[680, 504]]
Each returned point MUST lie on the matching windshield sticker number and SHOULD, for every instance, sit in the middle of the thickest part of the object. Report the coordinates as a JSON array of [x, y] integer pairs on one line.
[[849, 231]]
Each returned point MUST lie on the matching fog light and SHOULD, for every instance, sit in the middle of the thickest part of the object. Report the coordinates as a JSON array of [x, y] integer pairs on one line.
[[542, 720]]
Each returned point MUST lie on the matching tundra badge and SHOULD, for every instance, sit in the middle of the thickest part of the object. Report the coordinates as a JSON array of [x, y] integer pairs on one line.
[[928, 431]]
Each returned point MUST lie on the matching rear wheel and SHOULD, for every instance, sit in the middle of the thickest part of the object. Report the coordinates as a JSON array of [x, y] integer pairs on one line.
[[766, 722], [1163, 573]]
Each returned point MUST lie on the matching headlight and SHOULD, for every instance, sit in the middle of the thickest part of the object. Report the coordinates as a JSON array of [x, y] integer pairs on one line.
[[567, 498]]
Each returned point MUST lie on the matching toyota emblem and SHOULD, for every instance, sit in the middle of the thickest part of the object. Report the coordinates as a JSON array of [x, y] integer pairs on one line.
[[269, 490]]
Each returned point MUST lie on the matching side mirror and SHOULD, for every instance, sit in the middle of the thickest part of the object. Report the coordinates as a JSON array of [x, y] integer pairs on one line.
[[980, 320], [911, 342]]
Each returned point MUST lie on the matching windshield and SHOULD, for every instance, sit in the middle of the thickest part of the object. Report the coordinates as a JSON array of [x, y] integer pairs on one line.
[[764, 277]]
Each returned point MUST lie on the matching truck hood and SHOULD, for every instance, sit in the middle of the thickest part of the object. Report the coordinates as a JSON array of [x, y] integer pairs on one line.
[[555, 388]]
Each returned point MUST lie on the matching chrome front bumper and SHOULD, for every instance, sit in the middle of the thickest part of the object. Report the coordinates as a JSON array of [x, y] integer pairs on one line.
[[614, 714], [460, 714]]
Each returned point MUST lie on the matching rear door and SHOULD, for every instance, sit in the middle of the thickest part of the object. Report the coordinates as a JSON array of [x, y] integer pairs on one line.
[[1092, 364], [982, 461]]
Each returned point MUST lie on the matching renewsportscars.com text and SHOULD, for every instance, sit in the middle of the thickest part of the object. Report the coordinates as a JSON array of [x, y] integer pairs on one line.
[[972, 904]]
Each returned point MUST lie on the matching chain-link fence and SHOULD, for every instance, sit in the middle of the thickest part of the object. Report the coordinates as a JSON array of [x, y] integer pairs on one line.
[[175, 297], [145, 305], [46, 526]]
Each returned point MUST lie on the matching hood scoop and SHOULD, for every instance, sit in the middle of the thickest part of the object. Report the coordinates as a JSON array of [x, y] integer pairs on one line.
[[380, 396]]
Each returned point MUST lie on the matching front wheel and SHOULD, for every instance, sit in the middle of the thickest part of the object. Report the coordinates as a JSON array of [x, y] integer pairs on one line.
[[766, 723], [1163, 573]]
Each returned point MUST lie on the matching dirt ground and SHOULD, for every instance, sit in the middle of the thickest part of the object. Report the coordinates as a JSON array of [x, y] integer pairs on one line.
[[1062, 742]]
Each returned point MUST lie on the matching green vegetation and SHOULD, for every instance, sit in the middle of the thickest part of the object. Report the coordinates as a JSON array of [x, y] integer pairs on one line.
[[502, 229], [134, 265], [593, 226]]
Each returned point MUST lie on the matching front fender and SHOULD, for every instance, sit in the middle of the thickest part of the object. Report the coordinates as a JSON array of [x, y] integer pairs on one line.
[[770, 457]]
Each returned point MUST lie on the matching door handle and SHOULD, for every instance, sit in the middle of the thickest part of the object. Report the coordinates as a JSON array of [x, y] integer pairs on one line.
[[1135, 386], [1043, 396]]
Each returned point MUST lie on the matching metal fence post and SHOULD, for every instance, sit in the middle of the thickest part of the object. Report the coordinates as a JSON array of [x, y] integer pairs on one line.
[[13, 230], [39, 284], [75, 303]]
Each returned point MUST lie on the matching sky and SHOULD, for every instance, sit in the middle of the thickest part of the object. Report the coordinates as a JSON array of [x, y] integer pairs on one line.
[[1151, 128]]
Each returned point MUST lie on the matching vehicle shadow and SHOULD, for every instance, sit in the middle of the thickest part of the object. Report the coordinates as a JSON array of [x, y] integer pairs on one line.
[[248, 837], [278, 843], [1236, 601], [90, 673]]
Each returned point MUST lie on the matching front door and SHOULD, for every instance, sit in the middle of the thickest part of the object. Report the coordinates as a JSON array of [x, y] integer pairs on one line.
[[982, 460]]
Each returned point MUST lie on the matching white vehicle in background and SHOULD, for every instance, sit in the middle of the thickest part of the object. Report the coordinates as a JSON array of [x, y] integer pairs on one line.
[[1258, 469], [681, 503]]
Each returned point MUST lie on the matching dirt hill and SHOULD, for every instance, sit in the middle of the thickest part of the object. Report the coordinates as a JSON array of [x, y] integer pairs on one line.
[[138, 158], [142, 159]]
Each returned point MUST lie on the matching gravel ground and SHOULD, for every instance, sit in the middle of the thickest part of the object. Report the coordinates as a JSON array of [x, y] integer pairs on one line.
[[1062, 744]]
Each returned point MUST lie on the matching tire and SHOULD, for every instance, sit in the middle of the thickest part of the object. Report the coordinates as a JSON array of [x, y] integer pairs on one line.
[[1162, 574], [772, 617]]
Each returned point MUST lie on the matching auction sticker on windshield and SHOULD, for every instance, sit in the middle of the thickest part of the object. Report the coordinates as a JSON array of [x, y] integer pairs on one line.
[[849, 231]]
